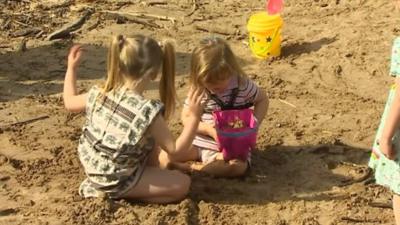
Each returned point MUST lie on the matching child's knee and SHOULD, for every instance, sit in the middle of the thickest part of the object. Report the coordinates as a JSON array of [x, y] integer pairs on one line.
[[181, 188], [237, 168]]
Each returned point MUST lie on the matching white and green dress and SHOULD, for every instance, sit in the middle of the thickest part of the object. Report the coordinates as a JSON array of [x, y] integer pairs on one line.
[[387, 172], [115, 144]]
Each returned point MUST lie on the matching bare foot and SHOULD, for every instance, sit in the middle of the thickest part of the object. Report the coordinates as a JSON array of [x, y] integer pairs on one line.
[[219, 156], [181, 166]]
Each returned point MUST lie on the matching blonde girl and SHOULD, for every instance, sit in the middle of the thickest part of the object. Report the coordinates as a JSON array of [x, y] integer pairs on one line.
[[124, 131], [214, 67]]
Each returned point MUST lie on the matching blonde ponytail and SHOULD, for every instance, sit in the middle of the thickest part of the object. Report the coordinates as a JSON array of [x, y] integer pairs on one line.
[[167, 81], [114, 78]]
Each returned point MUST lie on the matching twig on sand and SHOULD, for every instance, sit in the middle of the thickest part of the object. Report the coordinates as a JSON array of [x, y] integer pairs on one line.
[[9, 211], [364, 177], [151, 3], [142, 15], [60, 5], [287, 103], [194, 8], [358, 220], [385, 205], [67, 29], [94, 25], [214, 30], [26, 32], [21, 23], [23, 122], [131, 18]]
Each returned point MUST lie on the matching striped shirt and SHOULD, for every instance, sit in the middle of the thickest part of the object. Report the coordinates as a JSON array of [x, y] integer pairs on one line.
[[247, 93]]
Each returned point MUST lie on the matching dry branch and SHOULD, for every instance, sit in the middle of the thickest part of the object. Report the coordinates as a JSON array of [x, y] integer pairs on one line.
[[215, 30], [154, 16], [385, 205], [62, 4], [151, 3], [24, 122], [287, 103], [26, 32], [194, 8], [132, 18], [364, 177], [67, 29], [358, 220]]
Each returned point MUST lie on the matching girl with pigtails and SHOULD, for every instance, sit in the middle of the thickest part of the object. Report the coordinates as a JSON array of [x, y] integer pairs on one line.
[[125, 142]]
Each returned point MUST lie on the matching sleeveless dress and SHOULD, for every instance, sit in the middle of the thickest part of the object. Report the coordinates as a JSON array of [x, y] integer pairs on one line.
[[114, 145], [387, 172]]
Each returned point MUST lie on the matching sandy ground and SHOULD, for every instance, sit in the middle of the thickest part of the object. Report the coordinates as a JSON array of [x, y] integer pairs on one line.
[[310, 163]]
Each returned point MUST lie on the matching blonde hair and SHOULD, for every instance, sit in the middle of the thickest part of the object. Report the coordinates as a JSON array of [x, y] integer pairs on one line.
[[137, 57], [213, 61]]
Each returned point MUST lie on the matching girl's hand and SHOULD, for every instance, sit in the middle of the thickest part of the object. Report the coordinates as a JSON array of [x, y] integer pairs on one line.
[[387, 149], [74, 56], [196, 105]]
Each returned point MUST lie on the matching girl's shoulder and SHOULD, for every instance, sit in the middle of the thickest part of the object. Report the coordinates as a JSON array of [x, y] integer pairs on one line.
[[140, 103], [395, 58], [93, 93], [246, 84]]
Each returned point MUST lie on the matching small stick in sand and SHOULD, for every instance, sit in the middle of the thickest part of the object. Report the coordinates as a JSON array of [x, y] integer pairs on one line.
[[358, 180], [214, 30], [384, 205], [67, 29], [151, 3], [142, 15], [25, 122], [132, 18], [194, 8], [357, 220], [9, 211], [287, 103]]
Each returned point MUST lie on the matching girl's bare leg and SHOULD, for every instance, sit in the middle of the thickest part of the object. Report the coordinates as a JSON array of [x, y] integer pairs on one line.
[[396, 208], [160, 186], [158, 158]]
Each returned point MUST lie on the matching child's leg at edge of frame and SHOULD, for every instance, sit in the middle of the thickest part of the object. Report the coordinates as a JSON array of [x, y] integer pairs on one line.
[[160, 186], [221, 168], [396, 208]]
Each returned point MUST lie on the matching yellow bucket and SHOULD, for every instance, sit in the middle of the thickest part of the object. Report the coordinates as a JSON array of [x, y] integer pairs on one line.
[[265, 34]]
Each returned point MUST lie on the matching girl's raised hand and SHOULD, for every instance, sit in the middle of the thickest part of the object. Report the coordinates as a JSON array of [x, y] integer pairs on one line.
[[74, 56], [196, 102]]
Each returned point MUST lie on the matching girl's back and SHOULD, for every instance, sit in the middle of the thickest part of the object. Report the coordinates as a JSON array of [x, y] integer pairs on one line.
[[114, 142]]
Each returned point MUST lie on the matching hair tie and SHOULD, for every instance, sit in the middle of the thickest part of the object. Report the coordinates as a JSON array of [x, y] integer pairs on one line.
[[121, 41], [209, 40]]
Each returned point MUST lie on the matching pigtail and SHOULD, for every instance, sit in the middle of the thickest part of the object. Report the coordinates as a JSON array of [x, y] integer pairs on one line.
[[114, 78], [167, 81]]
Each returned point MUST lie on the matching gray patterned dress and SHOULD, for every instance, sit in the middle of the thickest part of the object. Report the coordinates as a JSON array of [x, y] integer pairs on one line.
[[114, 145]]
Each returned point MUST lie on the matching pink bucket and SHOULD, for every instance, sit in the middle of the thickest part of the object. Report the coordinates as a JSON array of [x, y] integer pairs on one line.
[[236, 132]]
